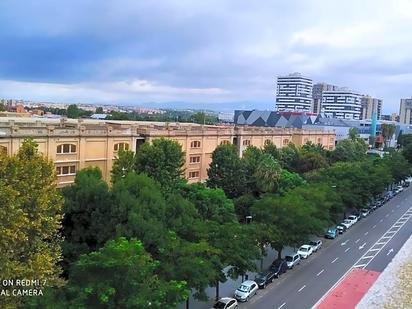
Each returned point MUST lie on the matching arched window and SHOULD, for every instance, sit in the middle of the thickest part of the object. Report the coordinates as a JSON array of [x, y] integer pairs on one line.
[[319, 140], [66, 148], [195, 144], [121, 146], [268, 141], [224, 142], [285, 141], [246, 142]]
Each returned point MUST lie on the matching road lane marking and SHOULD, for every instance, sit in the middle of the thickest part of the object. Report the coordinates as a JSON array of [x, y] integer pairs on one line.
[[281, 305], [363, 246], [381, 220], [375, 249], [357, 241], [334, 260], [317, 275], [345, 242], [302, 288], [387, 215], [356, 265], [366, 233], [393, 210], [390, 251], [374, 226], [347, 249]]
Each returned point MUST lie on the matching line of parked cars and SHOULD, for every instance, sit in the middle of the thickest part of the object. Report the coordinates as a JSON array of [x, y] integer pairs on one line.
[[249, 288]]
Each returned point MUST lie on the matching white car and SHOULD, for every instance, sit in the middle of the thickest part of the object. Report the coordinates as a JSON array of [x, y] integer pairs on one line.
[[353, 218], [226, 303], [316, 244], [347, 223], [304, 251], [399, 189], [246, 290], [364, 212]]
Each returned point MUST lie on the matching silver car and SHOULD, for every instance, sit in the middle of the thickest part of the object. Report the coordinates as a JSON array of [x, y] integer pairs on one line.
[[292, 260], [225, 303], [246, 290]]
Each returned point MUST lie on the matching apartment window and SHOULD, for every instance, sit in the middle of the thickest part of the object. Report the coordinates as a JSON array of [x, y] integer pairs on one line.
[[194, 174], [319, 140], [246, 142], [268, 141], [121, 146], [285, 141], [224, 143], [195, 144], [195, 159], [66, 148], [66, 170]]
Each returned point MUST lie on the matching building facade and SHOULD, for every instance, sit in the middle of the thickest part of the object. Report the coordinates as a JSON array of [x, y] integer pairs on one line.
[[73, 145], [341, 104], [405, 115], [317, 94], [369, 106], [294, 93]]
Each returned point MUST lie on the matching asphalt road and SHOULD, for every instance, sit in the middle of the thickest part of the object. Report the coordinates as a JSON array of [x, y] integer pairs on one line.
[[371, 244]]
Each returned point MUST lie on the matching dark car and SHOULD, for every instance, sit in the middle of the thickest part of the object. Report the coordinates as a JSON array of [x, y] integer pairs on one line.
[[279, 267], [263, 279]]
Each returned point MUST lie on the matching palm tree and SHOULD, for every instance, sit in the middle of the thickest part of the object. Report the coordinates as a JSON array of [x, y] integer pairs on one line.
[[388, 129]]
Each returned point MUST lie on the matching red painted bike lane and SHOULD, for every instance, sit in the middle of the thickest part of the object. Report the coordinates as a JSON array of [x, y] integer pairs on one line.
[[350, 290]]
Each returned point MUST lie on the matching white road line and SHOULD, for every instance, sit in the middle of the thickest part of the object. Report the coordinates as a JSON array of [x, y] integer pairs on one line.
[[302, 288], [334, 260], [381, 220], [368, 257], [375, 249], [357, 241], [317, 275], [281, 305], [347, 249], [393, 210], [355, 265], [374, 226], [387, 215], [366, 233]]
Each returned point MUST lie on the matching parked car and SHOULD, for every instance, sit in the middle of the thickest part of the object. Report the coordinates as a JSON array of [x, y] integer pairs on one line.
[[399, 189], [316, 244], [353, 218], [279, 266], [364, 212], [331, 233], [226, 303], [264, 278], [305, 251], [347, 223], [406, 184], [292, 260], [341, 228], [246, 290]]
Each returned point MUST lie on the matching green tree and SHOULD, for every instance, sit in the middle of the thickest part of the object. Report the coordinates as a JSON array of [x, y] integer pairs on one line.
[[251, 159], [226, 171], [407, 152], [309, 161], [405, 140], [271, 149], [289, 157], [163, 160], [268, 174], [99, 110], [350, 150], [73, 111], [353, 134], [87, 206], [121, 275], [2, 108], [289, 181], [123, 163], [30, 217]]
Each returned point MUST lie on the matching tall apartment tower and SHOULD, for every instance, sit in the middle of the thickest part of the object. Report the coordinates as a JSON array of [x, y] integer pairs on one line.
[[317, 92], [405, 115], [342, 104], [294, 92], [369, 106]]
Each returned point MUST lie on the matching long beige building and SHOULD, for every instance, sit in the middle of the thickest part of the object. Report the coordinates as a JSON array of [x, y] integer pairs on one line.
[[75, 144]]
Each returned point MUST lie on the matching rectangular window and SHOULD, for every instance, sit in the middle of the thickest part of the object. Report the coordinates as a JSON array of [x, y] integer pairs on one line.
[[194, 174], [66, 170], [194, 159]]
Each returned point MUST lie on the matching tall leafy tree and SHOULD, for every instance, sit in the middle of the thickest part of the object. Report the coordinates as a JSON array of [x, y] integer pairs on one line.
[[309, 161], [119, 275], [30, 218], [87, 207], [289, 157], [124, 163], [268, 173], [163, 160], [272, 150], [388, 130], [226, 171]]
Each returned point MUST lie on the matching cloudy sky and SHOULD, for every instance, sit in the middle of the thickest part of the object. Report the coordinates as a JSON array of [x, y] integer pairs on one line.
[[220, 54]]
